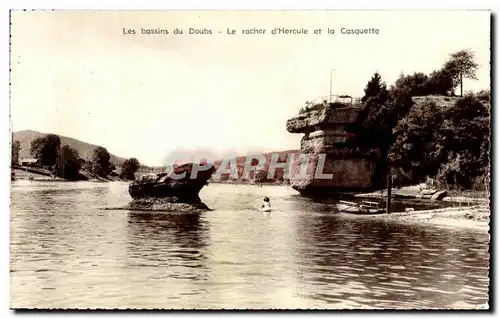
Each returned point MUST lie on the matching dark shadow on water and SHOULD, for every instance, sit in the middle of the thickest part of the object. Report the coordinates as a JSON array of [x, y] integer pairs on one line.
[[178, 226]]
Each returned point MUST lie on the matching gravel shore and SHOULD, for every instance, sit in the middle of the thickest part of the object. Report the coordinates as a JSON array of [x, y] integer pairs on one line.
[[471, 217]]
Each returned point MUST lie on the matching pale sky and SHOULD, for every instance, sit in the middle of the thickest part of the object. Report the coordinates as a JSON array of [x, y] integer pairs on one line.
[[77, 75]]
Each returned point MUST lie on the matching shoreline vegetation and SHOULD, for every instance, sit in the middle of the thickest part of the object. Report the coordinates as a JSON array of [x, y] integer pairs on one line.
[[52, 161]]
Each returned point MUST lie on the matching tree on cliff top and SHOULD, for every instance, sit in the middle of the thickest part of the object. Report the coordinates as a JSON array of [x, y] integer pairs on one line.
[[375, 90], [101, 165], [129, 167], [439, 82], [413, 84], [382, 110], [368, 128], [461, 65]]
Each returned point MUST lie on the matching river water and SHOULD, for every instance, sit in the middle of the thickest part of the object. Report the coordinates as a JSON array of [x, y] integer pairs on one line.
[[68, 253]]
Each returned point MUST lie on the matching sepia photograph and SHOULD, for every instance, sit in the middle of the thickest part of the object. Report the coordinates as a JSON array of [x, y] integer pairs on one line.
[[250, 160]]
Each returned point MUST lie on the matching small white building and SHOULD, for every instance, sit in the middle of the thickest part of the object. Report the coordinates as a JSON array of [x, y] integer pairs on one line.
[[29, 162]]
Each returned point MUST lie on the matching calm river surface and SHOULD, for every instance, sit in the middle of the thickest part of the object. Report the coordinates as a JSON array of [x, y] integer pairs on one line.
[[66, 252]]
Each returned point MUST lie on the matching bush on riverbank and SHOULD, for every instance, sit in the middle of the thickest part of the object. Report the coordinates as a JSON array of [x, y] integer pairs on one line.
[[68, 164], [129, 168]]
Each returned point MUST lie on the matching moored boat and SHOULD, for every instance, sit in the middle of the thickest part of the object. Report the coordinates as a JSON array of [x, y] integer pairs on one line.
[[371, 207], [365, 207], [348, 207]]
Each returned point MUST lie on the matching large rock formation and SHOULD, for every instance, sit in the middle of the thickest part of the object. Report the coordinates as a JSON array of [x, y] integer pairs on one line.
[[324, 133], [163, 192]]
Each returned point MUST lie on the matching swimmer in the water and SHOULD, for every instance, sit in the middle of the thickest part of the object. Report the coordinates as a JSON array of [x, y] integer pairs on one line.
[[266, 206]]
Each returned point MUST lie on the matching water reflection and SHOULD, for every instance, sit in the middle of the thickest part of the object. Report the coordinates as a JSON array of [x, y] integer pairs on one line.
[[66, 252], [380, 265], [48, 217], [157, 239]]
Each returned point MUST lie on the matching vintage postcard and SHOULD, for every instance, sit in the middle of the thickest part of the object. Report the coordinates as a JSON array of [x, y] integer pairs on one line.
[[250, 159]]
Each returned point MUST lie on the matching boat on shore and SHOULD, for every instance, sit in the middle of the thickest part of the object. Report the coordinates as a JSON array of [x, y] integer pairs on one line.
[[347, 207], [365, 207]]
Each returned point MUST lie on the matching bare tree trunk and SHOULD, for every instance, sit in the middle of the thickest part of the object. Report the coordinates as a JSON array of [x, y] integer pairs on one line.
[[461, 84], [389, 190]]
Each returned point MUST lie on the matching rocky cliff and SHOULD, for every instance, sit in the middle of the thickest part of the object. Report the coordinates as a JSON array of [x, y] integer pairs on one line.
[[324, 133]]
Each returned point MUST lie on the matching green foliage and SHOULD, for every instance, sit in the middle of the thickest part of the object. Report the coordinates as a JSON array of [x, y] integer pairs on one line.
[[312, 107], [484, 96], [443, 81], [449, 143], [373, 128], [416, 148], [320, 106], [65, 162], [425, 139], [16, 147], [46, 149], [37, 146], [375, 91], [87, 165], [440, 82], [101, 165], [413, 85], [374, 114], [129, 167], [461, 65], [469, 134], [68, 163]]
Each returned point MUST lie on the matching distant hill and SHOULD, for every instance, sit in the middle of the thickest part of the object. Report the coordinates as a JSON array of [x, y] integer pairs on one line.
[[282, 156], [84, 149], [241, 162]]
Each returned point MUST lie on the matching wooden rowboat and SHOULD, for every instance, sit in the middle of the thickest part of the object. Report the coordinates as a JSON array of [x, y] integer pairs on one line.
[[365, 207]]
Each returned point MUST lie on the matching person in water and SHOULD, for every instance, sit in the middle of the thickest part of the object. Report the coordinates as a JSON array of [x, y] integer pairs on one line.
[[266, 206]]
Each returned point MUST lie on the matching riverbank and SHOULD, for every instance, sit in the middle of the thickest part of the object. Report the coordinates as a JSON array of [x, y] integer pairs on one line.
[[24, 175], [466, 209], [475, 217], [32, 175], [247, 182], [423, 192]]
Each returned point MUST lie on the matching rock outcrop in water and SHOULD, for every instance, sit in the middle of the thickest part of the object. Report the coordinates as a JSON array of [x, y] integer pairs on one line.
[[162, 192], [324, 133]]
